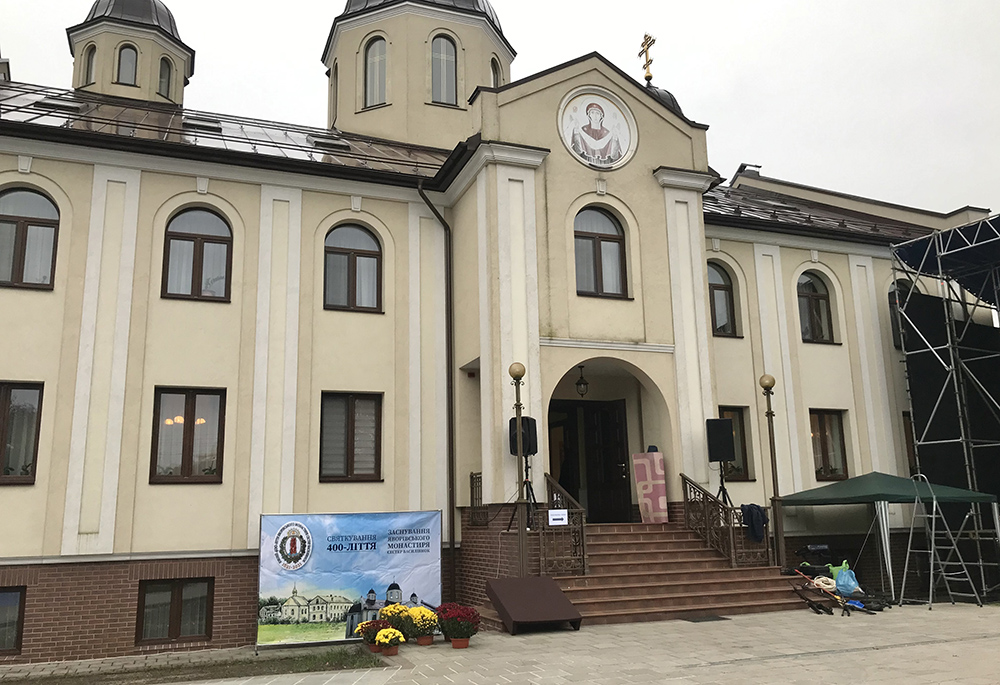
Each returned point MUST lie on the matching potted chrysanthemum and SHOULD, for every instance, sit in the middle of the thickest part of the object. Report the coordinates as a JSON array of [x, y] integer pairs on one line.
[[398, 616], [389, 640], [368, 632], [458, 623], [423, 622]]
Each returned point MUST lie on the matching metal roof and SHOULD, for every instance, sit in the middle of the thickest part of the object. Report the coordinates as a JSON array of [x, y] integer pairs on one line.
[[148, 12], [749, 207], [470, 6], [102, 121]]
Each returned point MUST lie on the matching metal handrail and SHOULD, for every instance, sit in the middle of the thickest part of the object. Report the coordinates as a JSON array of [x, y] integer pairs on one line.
[[716, 523], [555, 493]]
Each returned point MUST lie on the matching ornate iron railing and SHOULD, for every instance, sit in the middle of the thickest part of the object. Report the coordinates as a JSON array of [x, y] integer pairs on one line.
[[563, 548], [723, 528], [479, 514]]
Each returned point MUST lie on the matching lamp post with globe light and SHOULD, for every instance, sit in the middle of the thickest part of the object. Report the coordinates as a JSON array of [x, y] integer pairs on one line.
[[517, 372], [767, 382]]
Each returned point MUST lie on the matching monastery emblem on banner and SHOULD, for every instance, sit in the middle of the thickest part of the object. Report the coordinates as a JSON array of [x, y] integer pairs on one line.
[[597, 128], [292, 546]]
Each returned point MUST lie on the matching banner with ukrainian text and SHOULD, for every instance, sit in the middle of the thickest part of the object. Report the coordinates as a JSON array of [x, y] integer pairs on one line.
[[323, 574]]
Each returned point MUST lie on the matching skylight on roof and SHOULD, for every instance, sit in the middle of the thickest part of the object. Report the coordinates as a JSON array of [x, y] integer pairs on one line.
[[327, 142], [202, 124]]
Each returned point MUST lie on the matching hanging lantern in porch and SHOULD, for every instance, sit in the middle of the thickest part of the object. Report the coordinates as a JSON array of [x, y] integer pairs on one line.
[[582, 386]]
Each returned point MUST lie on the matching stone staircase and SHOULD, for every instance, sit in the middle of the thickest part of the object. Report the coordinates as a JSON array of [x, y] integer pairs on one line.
[[658, 571]]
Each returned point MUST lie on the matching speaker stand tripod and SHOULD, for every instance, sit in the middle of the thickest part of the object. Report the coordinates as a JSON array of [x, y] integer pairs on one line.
[[723, 494], [529, 495]]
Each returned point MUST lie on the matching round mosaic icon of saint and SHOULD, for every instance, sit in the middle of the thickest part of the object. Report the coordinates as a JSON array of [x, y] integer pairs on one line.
[[292, 546], [596, 130]]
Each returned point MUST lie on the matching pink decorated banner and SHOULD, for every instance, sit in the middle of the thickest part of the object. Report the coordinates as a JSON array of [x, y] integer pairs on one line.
[[651, 486]]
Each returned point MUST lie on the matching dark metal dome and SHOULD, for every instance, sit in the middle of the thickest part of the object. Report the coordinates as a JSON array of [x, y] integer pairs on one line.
[[151, 13], [666, 97], [482, 7]]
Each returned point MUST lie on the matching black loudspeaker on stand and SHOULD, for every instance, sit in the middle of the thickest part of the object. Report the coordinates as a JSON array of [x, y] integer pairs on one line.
[[721, 449], [529, 442]]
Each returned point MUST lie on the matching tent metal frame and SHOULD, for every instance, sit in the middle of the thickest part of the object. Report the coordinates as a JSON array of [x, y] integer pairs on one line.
[[947, 248]]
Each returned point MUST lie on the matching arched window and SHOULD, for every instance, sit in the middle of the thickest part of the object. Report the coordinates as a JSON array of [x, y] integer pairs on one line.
[[128, 60], [375, 70], [166, 75], [90, 66], [29, 224], [600, 254], [720, 292], [198, 256], [353, 273], [897, 297], [496, 73], [444, 80], [815, 316]]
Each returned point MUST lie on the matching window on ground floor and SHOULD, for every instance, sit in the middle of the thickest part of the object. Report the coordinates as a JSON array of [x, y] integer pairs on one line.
[[175, 610], [738, 469], [11, 619], [829, 451], [350, 437], [20, 412]]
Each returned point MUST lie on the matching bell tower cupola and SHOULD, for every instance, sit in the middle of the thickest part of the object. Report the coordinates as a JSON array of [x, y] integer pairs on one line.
[[131, 49], [405, 69]]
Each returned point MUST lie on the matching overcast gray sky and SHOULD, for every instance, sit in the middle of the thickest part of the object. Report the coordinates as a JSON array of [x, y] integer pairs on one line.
[[893, 99]]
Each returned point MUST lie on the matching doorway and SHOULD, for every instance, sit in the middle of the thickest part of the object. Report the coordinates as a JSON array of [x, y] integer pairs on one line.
[[588, 448]]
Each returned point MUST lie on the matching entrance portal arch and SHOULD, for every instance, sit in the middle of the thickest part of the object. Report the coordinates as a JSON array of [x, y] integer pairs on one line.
[[591, 437]]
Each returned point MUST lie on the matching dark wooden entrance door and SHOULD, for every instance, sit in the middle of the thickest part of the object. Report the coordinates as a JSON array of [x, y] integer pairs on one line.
[[589, 442]]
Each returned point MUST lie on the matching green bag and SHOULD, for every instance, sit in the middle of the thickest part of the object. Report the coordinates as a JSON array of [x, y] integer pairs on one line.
[[835, 570]]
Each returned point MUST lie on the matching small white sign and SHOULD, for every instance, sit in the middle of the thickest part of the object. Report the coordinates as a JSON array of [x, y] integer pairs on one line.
[[558, 517]]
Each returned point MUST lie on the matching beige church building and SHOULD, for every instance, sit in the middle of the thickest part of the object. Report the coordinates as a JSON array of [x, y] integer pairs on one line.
[[208, 318]]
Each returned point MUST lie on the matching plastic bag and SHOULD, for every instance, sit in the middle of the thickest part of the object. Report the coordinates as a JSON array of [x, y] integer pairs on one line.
[[847, 583]]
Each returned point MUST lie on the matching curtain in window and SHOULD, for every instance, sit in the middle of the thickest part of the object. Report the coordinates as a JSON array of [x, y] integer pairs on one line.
[[170, 445], [38, 254], [204, 458], [365, 435], [180, 267], [333, 448], [611, 267], [156, 611], [375, 73], [127, 61], [25, 203], [10, 610], [367, 282], [194, 609], [337, 283], [215, 257], [586, 279], [443, 71], [8, 233], [22, 429]]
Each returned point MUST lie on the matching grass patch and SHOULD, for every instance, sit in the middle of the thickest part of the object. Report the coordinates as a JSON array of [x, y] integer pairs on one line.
[[335, 659], [300, 632]]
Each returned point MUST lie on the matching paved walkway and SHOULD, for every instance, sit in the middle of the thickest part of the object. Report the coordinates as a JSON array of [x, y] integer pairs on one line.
[[910, 645]]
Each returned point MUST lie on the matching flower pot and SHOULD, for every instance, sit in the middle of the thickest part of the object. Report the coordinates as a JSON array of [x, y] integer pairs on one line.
[[390, 650], [375, 648], [459, 642], [424, 640]]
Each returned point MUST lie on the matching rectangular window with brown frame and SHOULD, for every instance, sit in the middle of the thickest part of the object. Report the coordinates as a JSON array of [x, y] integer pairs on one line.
[[11, 619], [189, 426], [829, 448], [738, 469], [20, 426], [350, 437], [174, 611]]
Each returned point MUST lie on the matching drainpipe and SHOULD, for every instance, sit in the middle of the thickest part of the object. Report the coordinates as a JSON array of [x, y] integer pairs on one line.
[[449, 307]]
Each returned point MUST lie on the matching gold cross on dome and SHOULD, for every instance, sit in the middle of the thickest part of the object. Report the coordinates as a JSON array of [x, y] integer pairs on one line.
[[647, 42]]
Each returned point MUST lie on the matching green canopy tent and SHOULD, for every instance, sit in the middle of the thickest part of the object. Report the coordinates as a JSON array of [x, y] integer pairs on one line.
[[881, 489]]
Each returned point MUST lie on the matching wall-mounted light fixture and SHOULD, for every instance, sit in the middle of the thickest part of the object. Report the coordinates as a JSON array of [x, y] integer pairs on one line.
[[582, 386]]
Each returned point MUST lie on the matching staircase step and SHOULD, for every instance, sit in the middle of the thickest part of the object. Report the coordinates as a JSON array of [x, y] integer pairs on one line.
[[635, 527], [651, 600], [719, 609], [652, 556], [615, 546], [659, 577], [646, 536], [678, 587], [678, 563]]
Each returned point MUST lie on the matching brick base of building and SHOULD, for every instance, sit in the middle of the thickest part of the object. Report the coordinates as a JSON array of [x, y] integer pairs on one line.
[[89, 610]]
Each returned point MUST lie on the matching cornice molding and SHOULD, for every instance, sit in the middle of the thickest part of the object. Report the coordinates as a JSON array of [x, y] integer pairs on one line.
[[683, 179], [492, 153], [798, 242], [618, 346]]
